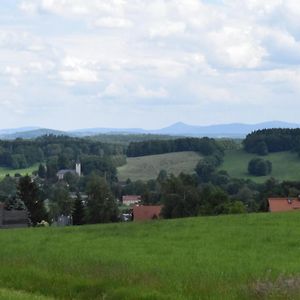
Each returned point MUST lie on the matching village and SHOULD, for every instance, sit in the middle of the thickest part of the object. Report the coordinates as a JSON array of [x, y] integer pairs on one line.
[[130, 206]]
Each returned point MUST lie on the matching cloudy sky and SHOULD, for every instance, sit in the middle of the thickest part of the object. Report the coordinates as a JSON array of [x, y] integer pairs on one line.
[[138, 63]]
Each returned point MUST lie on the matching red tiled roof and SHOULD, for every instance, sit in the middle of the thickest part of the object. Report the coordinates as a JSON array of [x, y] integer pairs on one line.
[[283, 204], [142, 213], [131, 198]]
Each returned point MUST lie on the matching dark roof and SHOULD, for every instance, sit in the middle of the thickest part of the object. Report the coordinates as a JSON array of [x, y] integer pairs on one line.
[[63, 172], [283, 204], [142, 212]]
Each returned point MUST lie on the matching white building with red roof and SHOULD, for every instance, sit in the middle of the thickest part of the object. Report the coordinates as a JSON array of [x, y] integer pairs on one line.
[[131, 199]]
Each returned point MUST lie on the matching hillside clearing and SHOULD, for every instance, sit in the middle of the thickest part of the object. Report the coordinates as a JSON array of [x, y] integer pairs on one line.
[[285, 165], [23, 172], [148, 167], [226, 257]]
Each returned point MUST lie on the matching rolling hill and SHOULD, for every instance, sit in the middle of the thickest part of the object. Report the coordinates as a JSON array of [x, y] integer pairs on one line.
[[227, 257], [148, 167], [285, 165]]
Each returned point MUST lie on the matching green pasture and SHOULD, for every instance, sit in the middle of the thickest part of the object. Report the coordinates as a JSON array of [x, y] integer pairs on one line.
[[12, 172], [250, 256], [148, 167], [286, 165]]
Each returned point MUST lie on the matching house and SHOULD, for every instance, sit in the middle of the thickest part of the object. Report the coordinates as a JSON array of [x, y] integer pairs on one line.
[[131, 199], [143, 212], [13, 218], [61, 173], [283, 204]]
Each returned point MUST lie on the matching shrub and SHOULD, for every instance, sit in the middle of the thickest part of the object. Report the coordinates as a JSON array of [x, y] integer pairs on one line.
[[259, 167]]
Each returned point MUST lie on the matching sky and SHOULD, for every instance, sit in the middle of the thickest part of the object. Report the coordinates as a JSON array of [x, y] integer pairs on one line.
[[68, 64]]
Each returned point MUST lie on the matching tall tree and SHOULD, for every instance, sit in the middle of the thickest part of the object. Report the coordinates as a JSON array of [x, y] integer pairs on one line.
[[42, 171], [101, 205], [60, 201], [78, 212], [28, 192]]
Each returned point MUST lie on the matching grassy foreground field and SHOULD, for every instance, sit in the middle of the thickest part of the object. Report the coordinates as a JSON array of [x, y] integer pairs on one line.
[[286, 165], [148, 167], [228, 257]]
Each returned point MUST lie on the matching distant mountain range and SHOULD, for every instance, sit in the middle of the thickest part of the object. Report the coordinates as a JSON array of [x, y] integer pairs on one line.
[[233, 130]]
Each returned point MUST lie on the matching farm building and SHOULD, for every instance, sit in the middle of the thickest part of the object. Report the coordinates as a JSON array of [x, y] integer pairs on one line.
[[131, 199], [13, 218], [283, 204], [143, 213]]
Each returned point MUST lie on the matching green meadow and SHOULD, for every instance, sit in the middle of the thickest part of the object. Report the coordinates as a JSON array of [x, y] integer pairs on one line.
[[286, 165], [148, 167], [251, 256], [12, 172]]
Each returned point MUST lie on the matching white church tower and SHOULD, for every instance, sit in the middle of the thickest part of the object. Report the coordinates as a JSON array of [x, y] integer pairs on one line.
[[78, 169]]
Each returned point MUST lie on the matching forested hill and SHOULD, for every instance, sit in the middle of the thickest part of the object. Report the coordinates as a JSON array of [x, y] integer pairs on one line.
[[59, 149], [272, 140]]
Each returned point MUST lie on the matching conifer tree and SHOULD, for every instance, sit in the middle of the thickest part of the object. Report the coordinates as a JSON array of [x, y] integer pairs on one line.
[[78, 213], [28, 192]]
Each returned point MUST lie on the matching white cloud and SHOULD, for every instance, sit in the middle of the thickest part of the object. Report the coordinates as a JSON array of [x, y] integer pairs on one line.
[[71, 8], [147, 93], [165, 29], [196, 53], [111, 22], [113, 90], [79, 74], [75, 70], [238, 47]]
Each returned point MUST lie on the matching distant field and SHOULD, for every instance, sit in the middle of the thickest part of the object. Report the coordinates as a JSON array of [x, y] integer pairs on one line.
[[286, 165], [12, 172], [148, 167], [228, 257]]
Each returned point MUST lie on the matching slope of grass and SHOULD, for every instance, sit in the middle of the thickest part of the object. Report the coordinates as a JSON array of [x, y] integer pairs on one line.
[[12, 172], [227, 257], [148, 167], [286, 165], [6, 294]]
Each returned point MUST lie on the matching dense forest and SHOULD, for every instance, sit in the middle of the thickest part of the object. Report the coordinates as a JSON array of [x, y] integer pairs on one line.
[[205, 146], [272, 140], [61, 152], [126, 139]]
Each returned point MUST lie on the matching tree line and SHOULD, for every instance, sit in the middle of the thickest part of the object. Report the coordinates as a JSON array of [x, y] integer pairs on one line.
[[21, 153], [205, 146], [272, 140]]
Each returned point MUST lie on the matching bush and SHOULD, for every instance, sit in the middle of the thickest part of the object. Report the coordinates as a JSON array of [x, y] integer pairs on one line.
[[205, 169], [259, 167]]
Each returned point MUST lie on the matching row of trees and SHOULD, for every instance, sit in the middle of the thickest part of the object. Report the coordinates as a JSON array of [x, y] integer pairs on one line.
[[272, 140], [188, 195], [205, 146], [23, 153]]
